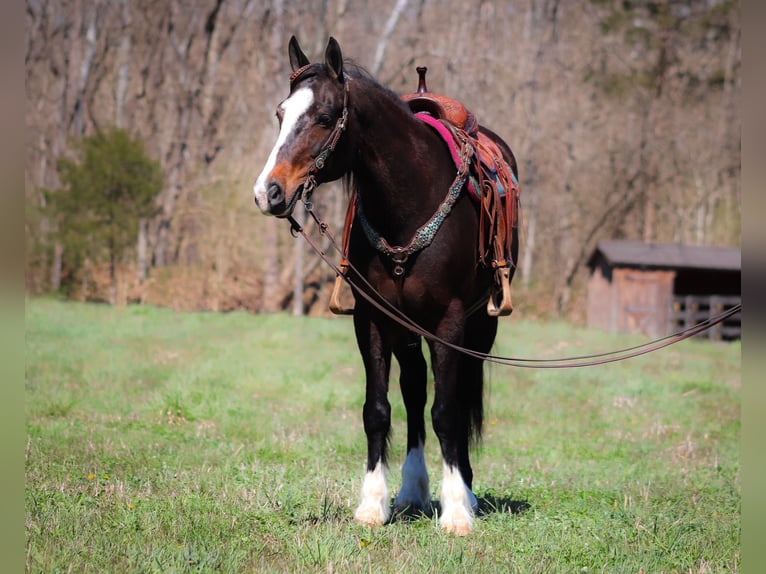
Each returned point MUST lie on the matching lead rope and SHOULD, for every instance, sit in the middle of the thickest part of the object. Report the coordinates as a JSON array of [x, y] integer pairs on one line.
[[399, 317]]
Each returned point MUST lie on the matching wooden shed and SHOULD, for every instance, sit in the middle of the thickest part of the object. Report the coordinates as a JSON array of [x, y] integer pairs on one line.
[[661, 288]]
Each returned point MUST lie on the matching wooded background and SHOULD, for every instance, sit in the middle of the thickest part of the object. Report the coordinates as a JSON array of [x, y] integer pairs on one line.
[[623, 115]]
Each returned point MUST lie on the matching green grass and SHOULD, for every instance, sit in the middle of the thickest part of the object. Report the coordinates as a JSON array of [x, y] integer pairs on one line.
[[198, 442]]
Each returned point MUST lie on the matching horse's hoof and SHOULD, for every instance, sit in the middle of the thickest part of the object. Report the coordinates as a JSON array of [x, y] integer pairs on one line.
[[458, 522], [411, 503], [457, 519], [457, 525], [410, 510], [371, 515]]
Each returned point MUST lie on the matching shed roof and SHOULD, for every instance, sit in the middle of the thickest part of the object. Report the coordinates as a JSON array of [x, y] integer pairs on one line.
[[667, 256]]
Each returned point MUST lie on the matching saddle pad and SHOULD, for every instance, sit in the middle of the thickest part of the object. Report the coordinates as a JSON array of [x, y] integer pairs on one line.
[[489, 169]]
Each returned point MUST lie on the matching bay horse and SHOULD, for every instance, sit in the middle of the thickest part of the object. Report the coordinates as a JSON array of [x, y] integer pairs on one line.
[[338, 122]]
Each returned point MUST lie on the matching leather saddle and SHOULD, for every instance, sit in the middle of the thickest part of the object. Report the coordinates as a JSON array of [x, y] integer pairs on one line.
[[441, 107]]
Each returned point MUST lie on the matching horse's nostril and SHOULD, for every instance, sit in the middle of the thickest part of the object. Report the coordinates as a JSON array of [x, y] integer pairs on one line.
[[275, 194]]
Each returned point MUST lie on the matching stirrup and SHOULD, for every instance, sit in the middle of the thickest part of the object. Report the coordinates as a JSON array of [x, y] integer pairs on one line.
[[506, 306], [336, 307]]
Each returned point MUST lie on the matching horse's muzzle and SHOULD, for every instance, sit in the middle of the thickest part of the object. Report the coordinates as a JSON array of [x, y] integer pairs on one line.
[[277, 203], [275, 196]]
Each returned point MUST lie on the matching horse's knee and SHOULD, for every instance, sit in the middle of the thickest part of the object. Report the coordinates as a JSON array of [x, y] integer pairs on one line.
[[377, 417], [442, 420]]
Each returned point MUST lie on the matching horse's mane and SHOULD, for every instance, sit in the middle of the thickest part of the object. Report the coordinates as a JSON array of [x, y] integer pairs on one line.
[[358, 73]]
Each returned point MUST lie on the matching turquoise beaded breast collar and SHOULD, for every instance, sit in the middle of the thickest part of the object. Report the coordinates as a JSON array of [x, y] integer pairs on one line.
[[426, 232]]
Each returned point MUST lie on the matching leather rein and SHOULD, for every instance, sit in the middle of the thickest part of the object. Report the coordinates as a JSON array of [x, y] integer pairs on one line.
[[366, 291]]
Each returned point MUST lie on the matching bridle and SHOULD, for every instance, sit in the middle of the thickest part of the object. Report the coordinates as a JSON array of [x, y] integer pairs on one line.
[[367, 292], [310, 184]]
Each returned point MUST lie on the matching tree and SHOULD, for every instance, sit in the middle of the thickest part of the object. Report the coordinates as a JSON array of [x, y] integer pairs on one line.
[[624, 117], [106, 193]]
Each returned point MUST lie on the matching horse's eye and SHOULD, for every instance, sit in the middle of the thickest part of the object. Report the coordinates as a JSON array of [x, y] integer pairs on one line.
[[324, 120]]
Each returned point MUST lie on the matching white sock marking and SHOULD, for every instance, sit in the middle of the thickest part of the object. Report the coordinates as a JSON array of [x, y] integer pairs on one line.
[[294, 107], [374, 509], [458, 503], [415, 490]]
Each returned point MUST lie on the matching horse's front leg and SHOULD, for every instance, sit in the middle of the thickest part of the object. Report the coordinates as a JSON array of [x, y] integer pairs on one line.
[[374, 509], [415, 493]]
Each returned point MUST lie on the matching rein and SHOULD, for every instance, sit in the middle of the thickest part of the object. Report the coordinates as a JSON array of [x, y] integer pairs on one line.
[[389, 310], [422, 238]]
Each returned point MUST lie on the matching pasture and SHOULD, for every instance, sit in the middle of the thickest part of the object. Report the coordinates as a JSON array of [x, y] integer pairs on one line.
[[160, 441]]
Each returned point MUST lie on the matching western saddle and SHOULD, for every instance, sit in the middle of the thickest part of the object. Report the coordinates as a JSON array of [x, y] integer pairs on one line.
[[441, 107]]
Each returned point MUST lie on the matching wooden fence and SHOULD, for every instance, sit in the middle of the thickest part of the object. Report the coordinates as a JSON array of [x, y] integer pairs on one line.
[[691, 310]]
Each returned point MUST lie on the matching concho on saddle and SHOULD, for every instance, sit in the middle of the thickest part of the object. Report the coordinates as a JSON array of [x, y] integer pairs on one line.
[[491, 182]]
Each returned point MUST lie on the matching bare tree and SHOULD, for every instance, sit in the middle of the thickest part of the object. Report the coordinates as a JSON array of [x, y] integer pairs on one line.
[[624, 122]]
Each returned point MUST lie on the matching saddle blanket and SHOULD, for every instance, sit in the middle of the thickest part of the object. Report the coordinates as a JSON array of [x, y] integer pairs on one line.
[[488, 166]]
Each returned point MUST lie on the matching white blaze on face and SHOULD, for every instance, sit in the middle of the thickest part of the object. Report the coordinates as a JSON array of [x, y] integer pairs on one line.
[[293, 108]]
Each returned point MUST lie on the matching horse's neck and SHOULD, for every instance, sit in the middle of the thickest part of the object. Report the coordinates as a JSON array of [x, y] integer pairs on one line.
[[398, 168]]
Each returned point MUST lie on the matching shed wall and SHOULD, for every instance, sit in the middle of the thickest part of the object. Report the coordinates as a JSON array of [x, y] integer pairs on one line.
[[600, 309], [628, 300], [644, 300]]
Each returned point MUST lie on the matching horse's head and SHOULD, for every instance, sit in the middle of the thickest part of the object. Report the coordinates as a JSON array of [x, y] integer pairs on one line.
[[311, 122]]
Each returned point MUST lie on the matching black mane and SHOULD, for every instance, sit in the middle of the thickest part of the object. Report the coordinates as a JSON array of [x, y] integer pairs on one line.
[[360, 74]]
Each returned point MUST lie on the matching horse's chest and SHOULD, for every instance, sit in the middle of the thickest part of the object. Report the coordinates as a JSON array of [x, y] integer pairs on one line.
[[415, 290]]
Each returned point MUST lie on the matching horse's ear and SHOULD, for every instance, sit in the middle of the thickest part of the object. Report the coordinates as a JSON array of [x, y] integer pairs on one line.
[[334, 59], [297, 58]]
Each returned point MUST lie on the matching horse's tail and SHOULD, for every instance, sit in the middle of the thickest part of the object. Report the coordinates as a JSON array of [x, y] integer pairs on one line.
[[480, 335], [475, 403]]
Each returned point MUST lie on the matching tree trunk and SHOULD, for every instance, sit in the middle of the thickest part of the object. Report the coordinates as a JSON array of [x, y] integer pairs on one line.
[[123, 72], [112, 276], [388, 30], [84, 280], [528, 246], [58, 252], [271, 259], [141, 249]]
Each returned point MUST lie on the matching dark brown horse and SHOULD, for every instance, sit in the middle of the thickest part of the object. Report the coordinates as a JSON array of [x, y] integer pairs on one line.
[[336, 122]]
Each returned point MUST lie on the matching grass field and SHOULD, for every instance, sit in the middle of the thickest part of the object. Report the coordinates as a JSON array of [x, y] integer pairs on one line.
[[200, 442]]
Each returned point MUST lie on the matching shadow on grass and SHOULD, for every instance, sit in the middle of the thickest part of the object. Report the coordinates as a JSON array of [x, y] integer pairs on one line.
[[491, 504], [488, 504]]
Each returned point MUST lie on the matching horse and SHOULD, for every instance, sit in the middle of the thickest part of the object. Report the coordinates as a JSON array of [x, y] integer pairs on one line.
[[338, 122]]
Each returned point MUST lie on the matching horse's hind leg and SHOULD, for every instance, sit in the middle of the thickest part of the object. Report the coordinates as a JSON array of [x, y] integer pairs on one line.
[[415, 493], [457, 417], [374, 510]]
